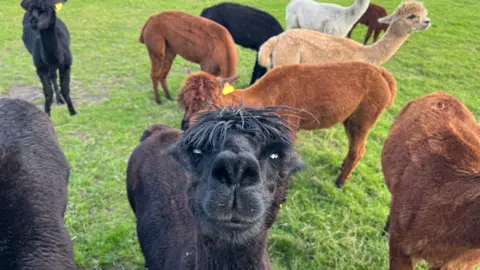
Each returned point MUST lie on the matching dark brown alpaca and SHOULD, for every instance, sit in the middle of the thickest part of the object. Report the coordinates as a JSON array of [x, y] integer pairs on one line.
[[370, 19], [196, 39], [431, 163], [205, 200], [353, 93], [33, 191]]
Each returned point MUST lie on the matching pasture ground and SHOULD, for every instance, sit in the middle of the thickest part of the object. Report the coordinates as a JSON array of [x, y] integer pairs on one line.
[[320, 227]]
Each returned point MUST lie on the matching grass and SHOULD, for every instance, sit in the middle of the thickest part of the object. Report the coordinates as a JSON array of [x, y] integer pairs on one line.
[[321, 227]]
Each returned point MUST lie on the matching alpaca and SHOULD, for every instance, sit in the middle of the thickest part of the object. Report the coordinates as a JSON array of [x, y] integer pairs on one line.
[[205, 200], [249, 27], [298, 46], [33, 191], [47, 39], [370, 19], [352, 93], [196, 39], [326, 18], [431, 163]]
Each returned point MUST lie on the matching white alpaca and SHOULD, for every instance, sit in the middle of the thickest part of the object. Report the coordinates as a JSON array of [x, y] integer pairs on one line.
[[330, 19]]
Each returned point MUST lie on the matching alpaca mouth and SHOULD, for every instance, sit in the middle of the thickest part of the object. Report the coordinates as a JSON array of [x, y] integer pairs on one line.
[[234, 224]]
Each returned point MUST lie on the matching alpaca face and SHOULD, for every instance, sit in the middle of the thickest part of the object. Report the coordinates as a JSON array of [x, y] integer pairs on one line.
[[42, 19], [410, 16], [236, 173]]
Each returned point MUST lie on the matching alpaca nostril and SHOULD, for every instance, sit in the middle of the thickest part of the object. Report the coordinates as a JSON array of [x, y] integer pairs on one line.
[[427, 21], [236, 170]]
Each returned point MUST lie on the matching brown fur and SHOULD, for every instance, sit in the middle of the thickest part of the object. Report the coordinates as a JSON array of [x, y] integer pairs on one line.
[[296, 46], [352, 93], [370, 19], [431, 163], [196, 39]]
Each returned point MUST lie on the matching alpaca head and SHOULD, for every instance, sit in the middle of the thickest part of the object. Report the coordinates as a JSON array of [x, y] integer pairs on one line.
[[42, 12], [409, 17], [239, 162], [201, 91]]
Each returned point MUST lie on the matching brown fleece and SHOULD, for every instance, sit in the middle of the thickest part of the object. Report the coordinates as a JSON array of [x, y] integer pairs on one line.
[[296, 46], [431, 163], [196, 39], [354, 93]]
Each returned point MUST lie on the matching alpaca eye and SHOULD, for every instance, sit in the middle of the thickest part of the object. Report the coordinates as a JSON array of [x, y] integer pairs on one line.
[[197, 151], [274, 156], [411, 17]]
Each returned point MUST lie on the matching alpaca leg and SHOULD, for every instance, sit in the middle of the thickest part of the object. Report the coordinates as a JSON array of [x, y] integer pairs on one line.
[[369, 34], [65, 88], [349, 35], [210, 67], [357, 137], [398, 259], [53, 78], [155, 72], [47, 88], [167, 65], [377, 34], [258, 72]]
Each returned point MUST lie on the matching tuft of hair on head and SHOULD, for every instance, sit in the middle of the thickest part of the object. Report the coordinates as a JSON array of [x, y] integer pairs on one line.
[[42, 5], [198, 89], [265, 124]]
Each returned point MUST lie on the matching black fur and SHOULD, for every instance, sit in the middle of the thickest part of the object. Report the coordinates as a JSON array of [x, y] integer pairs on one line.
[[249, 27], [33, 191], [48, 41], [188, 191]]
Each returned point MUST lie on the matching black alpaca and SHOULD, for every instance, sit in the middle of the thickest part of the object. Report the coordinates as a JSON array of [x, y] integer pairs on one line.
[[48, 41], [33, 191], [249, 27], [205, 200]]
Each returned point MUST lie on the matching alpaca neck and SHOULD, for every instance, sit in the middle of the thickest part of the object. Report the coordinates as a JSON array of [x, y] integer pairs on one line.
[[358, 8], [216, 254], [49, 44], [382, 50]]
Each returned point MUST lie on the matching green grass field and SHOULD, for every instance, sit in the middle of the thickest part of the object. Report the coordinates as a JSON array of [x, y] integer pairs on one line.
[[320, 227]]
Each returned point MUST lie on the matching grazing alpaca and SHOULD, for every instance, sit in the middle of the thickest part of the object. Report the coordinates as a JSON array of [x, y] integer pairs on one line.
[[370, 18], [33, 191], [196, 39], [304, 46], [205, 200], [48, 41], [249, 27], [431, 163], [326, 18], [352, 93]]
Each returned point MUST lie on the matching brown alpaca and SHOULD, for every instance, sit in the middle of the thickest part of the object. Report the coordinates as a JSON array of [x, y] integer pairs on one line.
[[196, 39], [297, 46], [431, 163], [370, 18], [352, 93]]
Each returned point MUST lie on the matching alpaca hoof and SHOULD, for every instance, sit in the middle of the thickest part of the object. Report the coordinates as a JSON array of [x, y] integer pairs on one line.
[[72, 112], [60, 101], [158, 101], [169, 98], [339, 183]]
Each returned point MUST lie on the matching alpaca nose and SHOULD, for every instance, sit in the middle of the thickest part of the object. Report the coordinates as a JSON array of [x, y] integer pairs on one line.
[[236, 169]]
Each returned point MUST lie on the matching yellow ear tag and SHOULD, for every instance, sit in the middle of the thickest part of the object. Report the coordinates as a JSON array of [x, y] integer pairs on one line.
[[227, 89], [281, 206], [58, 7]]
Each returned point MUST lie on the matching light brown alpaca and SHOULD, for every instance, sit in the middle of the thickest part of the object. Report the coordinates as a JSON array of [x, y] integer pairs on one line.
[[431, 163], [353, 93], [297, 46], [196, 39]]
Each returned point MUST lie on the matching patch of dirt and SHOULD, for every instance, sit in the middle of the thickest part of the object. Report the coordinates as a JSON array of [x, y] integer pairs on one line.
[[80, 96]]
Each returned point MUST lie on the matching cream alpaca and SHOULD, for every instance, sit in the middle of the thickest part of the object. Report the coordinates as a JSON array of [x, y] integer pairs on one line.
[[297, 46]]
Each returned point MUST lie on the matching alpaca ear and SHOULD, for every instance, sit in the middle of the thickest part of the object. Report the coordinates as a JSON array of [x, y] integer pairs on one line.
[[25, 4], [229, 80], [389, 19], [188, 71]]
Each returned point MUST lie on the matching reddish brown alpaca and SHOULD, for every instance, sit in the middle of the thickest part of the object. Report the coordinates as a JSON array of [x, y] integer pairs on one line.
[[353, 93], [370, 19], [196, 39], [431, 163]]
